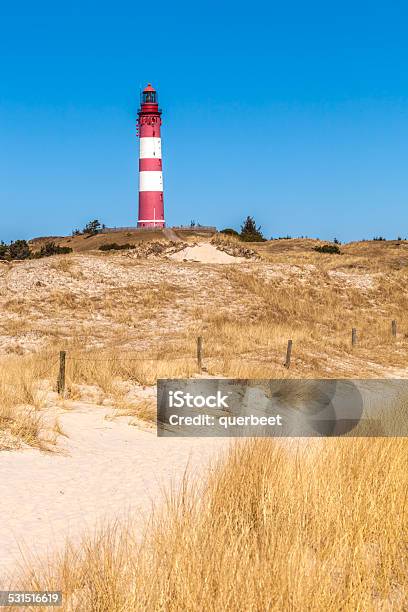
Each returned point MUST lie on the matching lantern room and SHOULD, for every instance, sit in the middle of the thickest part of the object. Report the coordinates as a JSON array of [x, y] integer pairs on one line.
[[149, 95]]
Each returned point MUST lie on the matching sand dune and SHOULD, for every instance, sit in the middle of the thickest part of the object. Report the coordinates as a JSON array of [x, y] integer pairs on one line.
[[103, 470]]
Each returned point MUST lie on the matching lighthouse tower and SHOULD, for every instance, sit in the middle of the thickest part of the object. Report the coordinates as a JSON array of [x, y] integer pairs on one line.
[[151, 207]]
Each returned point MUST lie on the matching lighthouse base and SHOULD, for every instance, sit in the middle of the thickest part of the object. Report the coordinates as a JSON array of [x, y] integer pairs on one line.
[[148, 223], [151, 209]]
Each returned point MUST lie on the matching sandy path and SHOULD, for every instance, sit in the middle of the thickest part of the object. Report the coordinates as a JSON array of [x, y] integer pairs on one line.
[[205, 253], [107, 469]]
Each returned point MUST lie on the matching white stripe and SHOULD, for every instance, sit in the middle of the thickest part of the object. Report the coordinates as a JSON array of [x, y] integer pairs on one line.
[[150, 180], [150, 148]]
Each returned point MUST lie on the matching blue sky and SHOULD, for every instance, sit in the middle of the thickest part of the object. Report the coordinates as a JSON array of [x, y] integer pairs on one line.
[[295, 113]]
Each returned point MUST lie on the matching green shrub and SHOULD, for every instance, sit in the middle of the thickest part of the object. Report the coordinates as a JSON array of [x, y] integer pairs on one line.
[[19, 250], [229, 232], [3, 250], [332, 249], [114, 246], [50, 248]]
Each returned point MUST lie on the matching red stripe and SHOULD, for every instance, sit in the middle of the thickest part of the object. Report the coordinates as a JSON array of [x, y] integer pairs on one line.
[[149, 130], [151, 206], [150, 164]]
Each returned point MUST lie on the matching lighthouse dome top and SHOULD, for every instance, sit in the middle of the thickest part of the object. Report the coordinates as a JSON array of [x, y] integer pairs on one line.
[[149, 95]]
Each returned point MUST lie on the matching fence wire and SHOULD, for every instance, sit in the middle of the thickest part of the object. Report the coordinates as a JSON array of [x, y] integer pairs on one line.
[[48, 369], [113, 359]]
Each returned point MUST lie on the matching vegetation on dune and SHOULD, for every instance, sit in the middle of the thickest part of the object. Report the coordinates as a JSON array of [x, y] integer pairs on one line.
[[250, 232], [228, 231], [20, 250], [288, 525], [245, 313], [331, 249], [49, 249], [92, 228], [301, 525], [26, 380], [21, 400], [114, 246]]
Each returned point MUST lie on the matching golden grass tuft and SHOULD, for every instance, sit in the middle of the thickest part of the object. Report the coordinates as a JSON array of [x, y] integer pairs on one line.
[[21, 399], [107, 367], [280, 525]]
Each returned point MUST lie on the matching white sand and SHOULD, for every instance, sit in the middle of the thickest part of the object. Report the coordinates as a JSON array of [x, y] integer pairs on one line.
[[205, 253], [107, 469]]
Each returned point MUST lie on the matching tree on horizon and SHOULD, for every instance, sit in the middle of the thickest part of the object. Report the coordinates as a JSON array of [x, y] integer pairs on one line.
[[250, 232], [93, 227]]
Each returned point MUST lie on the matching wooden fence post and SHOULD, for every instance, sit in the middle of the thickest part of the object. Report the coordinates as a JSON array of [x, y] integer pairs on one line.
[[61, 375], [200, 353], [353, 336], [288, 354], [394, 328]]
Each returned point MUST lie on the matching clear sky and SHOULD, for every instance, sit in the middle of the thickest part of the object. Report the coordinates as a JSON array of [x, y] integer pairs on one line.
[[293, 112]]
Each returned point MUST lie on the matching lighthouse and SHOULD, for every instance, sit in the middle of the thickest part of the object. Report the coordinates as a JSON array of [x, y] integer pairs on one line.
[[151, 206]]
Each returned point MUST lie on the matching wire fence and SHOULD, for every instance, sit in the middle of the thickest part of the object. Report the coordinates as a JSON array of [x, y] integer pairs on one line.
[[48, 369], [157, 359], [87, 355]]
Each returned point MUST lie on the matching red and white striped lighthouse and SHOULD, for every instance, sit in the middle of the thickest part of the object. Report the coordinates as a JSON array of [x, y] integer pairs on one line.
[[151, 207]]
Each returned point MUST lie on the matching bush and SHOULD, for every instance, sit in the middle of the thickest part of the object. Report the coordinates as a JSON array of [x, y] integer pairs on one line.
[[15, 250], [3, 250], [380, 238], [228, 231], [50, 248], [332, 249], [114, 246], [19, 250], [249, 231]]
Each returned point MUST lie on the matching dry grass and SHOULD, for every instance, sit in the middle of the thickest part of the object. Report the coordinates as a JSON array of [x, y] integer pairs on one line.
[[62, 264], [317, 526], [25, 382], [85, 243], [142, 410], [21, 401], [138, 321], [105, 368], [317, 313], [225, 240]]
